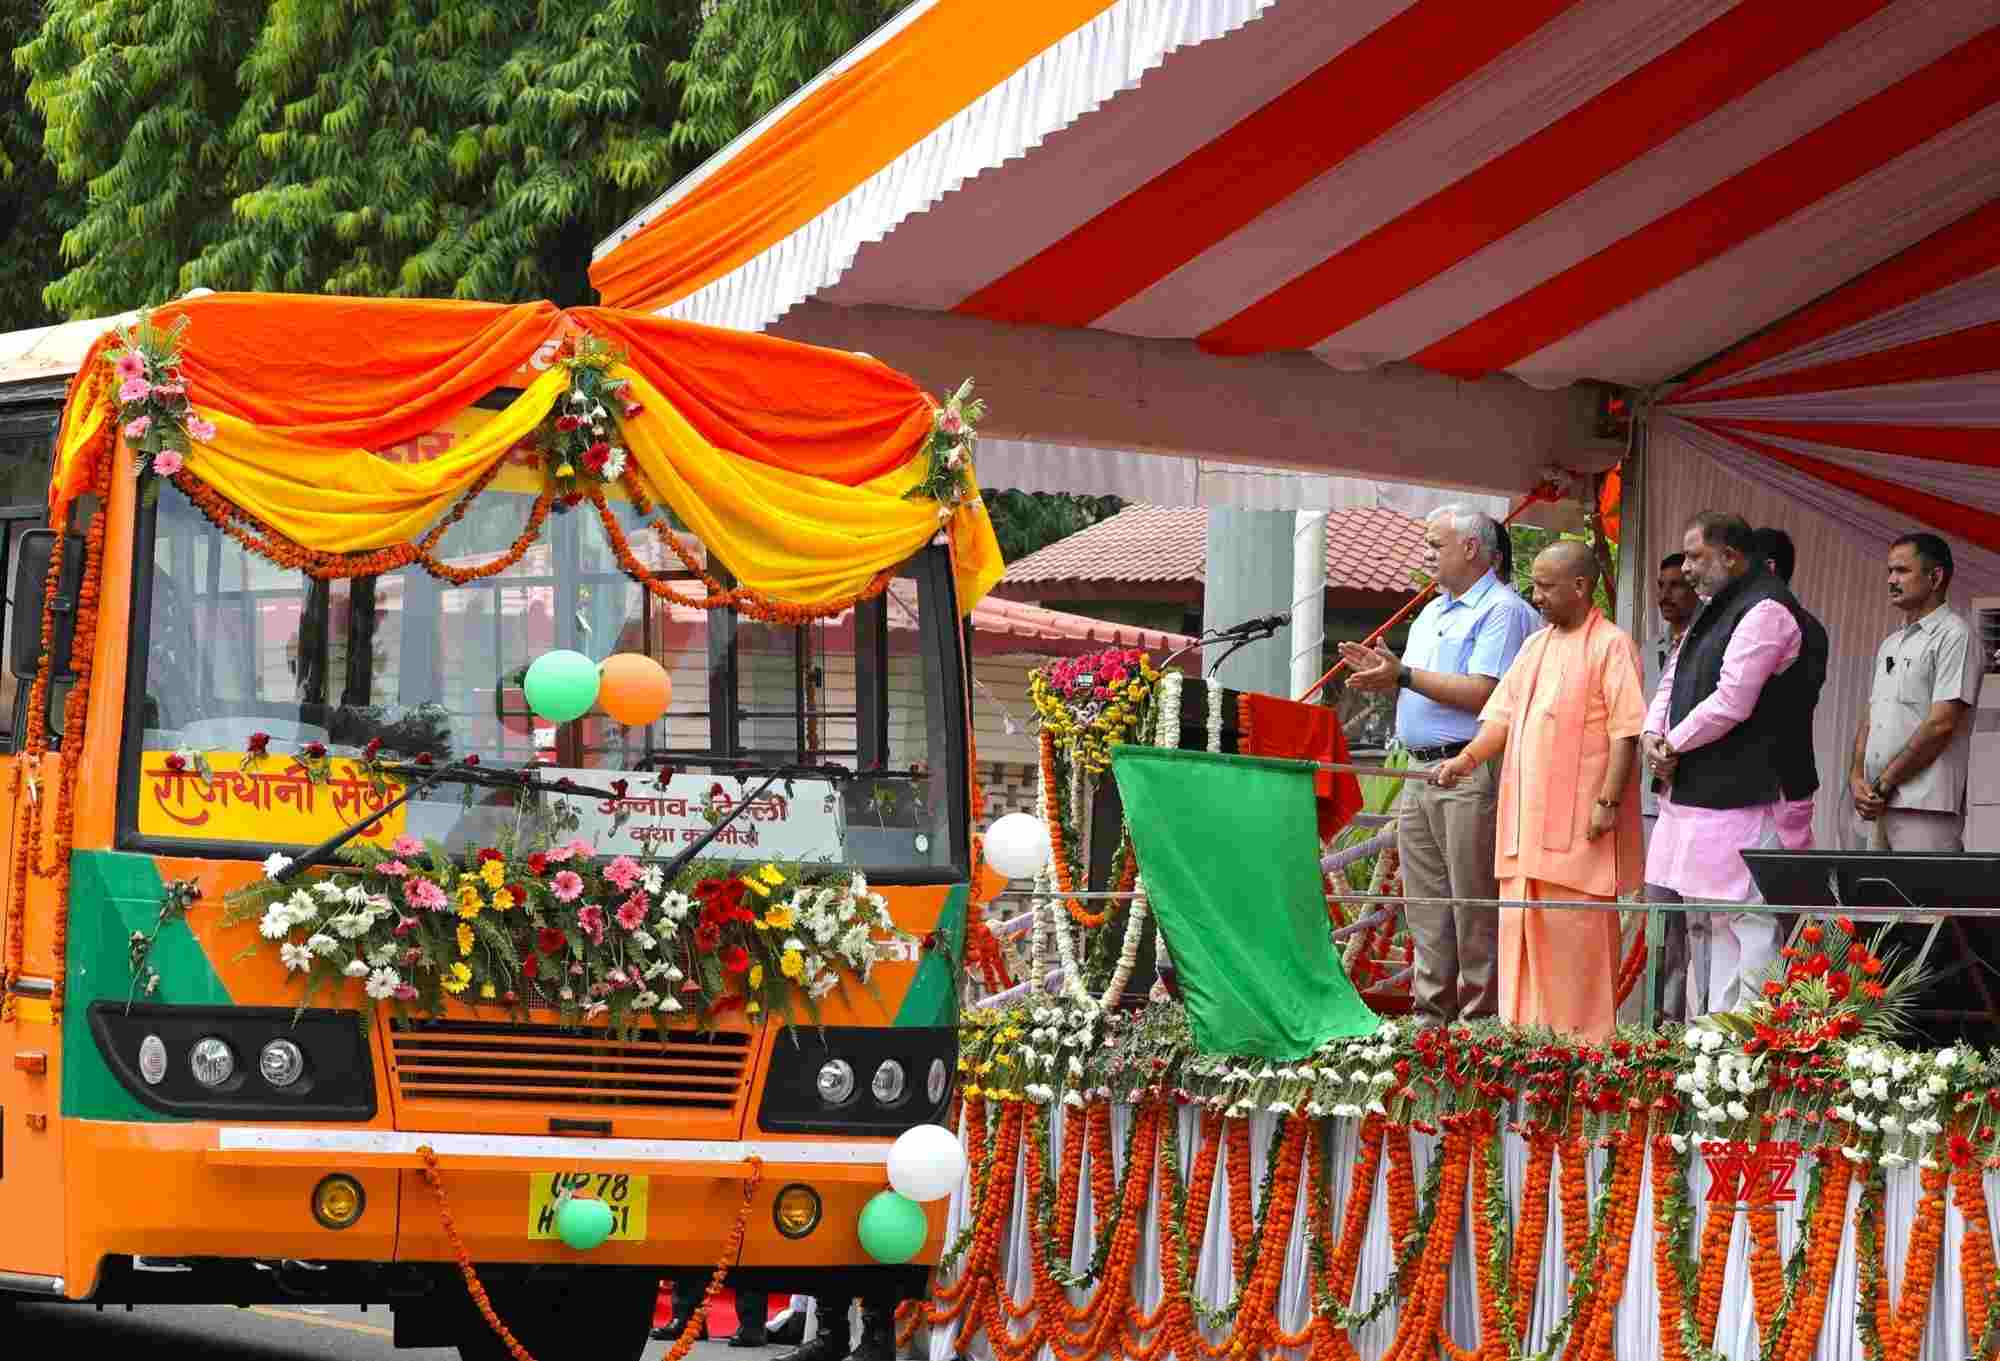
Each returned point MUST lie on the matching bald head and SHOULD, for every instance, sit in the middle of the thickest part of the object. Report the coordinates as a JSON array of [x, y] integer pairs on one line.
[[1570, 558], [1565, 577]]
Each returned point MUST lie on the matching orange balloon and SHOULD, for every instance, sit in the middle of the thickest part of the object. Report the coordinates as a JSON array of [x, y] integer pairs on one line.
[[633, 688]]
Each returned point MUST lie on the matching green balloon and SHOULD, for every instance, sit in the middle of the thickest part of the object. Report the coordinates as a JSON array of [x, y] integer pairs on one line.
[[583, 1224], [893, 1228], [561, 685]]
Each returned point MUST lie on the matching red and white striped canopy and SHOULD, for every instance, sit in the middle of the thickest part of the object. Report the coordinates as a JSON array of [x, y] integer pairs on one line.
[[1552, 189]]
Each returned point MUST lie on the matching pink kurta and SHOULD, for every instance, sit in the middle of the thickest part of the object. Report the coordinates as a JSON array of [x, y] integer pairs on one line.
[[1568, 696]]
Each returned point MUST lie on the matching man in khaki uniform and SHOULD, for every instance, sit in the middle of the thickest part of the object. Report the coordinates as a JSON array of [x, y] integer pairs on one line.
[[1907, 777]]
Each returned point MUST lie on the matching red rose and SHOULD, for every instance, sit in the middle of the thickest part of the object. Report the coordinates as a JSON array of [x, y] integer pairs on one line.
[[259, 743], [423, 758], [487, 854], [315, 750], [177, 763], [567, 423], [538, 864], [549, 940], [373, 748], [707, 936]]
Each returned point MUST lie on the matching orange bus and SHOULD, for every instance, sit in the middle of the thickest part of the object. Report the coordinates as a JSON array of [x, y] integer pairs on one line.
[[180, 1123]]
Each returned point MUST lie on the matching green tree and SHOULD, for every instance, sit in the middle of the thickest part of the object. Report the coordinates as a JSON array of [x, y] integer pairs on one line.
[[1025, 521], [35, 207], [417, 148]]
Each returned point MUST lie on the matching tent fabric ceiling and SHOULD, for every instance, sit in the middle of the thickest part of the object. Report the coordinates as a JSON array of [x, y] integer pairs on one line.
[[1885, 394], [1553, 189]]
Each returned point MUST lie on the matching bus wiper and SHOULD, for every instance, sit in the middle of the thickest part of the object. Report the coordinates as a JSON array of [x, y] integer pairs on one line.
[[421, 778]]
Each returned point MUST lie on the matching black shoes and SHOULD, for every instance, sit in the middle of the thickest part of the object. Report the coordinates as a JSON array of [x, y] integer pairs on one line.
[[747, 1337], [828, 1344], [672, 1330]]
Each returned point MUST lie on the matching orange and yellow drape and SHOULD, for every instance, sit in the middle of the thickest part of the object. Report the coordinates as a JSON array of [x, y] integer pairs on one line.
[[788, 461]]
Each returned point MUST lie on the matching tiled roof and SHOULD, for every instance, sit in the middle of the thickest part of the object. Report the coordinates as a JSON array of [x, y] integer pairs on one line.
[[1055, 631], [1367, 549]]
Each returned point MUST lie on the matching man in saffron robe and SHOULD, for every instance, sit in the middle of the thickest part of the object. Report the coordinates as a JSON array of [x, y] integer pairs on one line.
[[1568, 715]]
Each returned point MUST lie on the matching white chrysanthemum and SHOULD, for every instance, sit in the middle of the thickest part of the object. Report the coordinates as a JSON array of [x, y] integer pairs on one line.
[[646, 1000], [1945, 1058], [328, 891], [675, 906], [296, 958], [382, 955], [645, 940], [351, 925], [275, 863], [1880, 1088], [652, 878], [1738, 1111], [357, 895], [276, 924], [383, 983], [356, 968], [323, 945]]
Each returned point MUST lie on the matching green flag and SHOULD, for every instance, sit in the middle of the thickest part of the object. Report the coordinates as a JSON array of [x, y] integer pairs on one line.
[[1229, 851]]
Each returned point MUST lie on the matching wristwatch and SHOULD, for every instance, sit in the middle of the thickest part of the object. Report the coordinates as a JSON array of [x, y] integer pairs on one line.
[[1404, 680]]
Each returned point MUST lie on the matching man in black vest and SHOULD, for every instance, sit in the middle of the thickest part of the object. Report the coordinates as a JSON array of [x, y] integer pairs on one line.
[[1798, 771], [1719, 733]]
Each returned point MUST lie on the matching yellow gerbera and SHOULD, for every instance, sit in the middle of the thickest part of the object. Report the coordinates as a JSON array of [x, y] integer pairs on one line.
[[779, 917], [771, 875], [502, 900], [486, 990], [469, 901], [792, 965], [459, 979], [756, 885], [756, 975], [464, 939], [494, 872]]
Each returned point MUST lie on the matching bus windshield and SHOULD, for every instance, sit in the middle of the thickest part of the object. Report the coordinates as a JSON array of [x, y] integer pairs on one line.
[[234, 656]]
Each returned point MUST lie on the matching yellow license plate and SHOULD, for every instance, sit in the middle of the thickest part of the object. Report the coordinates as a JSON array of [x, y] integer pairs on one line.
[[624, 1193]]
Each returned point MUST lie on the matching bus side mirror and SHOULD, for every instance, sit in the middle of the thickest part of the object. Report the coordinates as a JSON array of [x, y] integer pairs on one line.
[[31, 575]]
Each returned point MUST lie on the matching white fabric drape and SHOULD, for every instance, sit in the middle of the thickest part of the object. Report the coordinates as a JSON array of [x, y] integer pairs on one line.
[[1637, 1324]]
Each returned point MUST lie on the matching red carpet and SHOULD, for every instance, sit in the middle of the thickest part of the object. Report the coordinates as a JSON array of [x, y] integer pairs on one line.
[[721, 1314]]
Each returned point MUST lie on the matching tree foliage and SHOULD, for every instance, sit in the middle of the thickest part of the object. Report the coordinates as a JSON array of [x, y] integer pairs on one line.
[[34, 207], [1025, 521], [414, 148]]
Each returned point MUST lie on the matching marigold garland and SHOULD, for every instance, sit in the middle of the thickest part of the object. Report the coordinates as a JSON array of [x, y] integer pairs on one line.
[[731, 1249]]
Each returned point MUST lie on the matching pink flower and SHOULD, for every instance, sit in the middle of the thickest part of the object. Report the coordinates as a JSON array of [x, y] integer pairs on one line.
[[405, 992], [405, 925], [589, 918], [130, 365], [170, 389], [395, 869], [624, 872], [950, 422], [200, 429], [134, 390], [568, 886], [578, 846], [423, 893], [595, 1010], [632, 913], [168, 462], [555, 855], [408, 845], [137, 427]]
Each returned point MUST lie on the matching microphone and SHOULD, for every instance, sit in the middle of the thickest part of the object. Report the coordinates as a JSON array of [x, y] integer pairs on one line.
[[1251, 629]]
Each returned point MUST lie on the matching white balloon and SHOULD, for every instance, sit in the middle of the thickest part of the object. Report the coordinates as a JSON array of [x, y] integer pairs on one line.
[[926, 1163], [1017, 845]]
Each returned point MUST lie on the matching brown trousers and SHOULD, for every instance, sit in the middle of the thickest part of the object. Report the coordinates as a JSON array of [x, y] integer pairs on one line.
[[1446, 839]]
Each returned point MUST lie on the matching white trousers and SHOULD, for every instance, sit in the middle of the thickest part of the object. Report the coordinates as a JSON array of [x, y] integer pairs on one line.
[[1728, 952]]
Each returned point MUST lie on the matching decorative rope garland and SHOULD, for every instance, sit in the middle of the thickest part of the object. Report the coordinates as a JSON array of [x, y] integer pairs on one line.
[[731, 1249]]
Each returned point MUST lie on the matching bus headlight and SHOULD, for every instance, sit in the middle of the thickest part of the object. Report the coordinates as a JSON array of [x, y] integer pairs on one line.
[[338, 1201], [796, 1211], [212, 1061], [889, 1084], [282, 1063], [836, 1082]]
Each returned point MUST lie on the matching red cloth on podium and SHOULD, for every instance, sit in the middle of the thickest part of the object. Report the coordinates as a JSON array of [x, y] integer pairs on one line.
[[1305, 732]]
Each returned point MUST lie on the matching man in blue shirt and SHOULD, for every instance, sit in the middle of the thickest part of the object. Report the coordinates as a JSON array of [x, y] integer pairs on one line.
[[1459, 647]]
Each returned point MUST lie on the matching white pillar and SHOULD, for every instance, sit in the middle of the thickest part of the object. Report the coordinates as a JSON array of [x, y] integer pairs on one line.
[[1308, 629]]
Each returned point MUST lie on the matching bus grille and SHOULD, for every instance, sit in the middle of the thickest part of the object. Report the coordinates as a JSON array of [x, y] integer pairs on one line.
[[546, 1066]]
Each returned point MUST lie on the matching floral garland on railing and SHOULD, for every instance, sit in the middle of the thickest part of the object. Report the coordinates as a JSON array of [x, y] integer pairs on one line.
[[1802, 1063], [947, 476]]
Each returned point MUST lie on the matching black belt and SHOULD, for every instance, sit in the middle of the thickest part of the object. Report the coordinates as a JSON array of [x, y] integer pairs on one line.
[[1444, 753]]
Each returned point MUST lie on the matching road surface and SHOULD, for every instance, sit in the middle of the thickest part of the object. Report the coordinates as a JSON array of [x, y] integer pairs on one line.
[[260, 1333]]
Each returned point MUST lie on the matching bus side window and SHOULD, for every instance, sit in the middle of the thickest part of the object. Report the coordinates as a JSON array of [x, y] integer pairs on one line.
[[13, 523]]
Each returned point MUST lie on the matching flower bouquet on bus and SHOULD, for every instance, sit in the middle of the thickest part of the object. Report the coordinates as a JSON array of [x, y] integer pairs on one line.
[[622, 944]]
